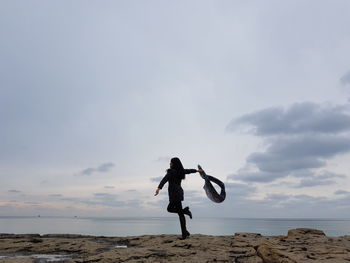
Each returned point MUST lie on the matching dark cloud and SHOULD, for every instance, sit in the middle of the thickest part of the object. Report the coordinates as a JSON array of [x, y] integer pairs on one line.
[[345, 79], [55, 195], [109, 187], [247, 175], [286, 154], [300, 118], [301, 138], [14, 191], [314, 182], [88, 171], [292, 156], [156, 179], [103, 168], [342, 192], [325, 178]]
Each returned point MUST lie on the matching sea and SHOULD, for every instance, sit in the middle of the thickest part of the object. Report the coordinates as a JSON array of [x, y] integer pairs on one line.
[[135, 226]]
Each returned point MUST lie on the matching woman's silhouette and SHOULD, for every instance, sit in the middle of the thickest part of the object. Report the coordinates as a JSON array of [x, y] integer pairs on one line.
[[174, 176]]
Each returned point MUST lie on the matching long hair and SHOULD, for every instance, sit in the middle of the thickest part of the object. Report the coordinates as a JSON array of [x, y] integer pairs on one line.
[[177, 165]]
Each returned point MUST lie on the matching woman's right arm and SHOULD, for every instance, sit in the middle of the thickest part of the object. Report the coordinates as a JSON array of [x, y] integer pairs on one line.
[[190, 171], [162, 183]]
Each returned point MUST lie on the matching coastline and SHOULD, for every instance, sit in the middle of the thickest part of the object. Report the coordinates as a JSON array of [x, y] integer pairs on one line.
[[300, 245]]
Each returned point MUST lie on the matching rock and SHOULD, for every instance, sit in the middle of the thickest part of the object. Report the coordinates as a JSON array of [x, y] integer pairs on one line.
[[304, 245], [253, 259], [270, 252], [300, 245], [300, 232]]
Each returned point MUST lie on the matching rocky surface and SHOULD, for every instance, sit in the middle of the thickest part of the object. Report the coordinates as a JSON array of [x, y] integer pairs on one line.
[[300, 245]]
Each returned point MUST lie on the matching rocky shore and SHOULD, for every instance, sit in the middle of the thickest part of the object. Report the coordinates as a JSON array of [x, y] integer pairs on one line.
[[300, 245]]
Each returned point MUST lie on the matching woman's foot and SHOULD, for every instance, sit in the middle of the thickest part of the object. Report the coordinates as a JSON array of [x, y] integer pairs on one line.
[[184, 236], [187, 211]]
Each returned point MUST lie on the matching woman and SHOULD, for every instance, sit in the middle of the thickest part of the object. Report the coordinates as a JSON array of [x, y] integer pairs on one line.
[[174, 176]]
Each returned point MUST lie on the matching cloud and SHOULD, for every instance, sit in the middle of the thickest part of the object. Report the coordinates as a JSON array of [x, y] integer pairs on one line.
[[239, 203], [247, 175], [107, 200], [109, 187], [300, 118], [156, 179], [163, 159], [55, 195], [292, 156], [88, 171], [314, 182], [32, 203], [325, 178], [286, 154], [277, 197], [98, 199], [345, 79], [300, 138], [235, 193], [272, 205], [14, 191], [103, 195], [239, 189], [342, 192], [103, 168]]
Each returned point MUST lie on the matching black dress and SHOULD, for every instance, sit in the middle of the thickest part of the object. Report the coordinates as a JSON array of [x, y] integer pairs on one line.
[[174, 178]]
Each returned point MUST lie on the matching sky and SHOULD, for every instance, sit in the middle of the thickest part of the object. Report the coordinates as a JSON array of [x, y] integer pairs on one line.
[[97, 96]]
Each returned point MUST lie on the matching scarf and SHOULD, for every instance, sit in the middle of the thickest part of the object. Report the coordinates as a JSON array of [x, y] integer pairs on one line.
[[209, 188]]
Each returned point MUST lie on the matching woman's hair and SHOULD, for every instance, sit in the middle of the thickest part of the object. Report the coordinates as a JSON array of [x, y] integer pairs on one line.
[[177, 165]]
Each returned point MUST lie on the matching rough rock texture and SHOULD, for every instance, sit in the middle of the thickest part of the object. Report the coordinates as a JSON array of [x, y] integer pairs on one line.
[[305, 245], [300, 245]]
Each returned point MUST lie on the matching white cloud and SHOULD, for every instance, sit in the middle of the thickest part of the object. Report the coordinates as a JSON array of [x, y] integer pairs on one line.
[[103, 168]]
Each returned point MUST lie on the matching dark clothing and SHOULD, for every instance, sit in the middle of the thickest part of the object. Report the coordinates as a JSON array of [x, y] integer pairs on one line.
[[174, 178], [175, 207], [176, 195]]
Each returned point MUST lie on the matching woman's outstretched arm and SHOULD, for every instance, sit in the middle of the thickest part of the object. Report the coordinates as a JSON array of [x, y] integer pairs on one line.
[[191, 171], [162, 183]]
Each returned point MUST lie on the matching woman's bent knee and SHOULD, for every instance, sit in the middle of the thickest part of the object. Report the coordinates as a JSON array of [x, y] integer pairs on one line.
[[172, 209]]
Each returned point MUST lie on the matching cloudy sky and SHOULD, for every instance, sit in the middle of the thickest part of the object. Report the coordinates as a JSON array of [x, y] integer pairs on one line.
[[97, 96]]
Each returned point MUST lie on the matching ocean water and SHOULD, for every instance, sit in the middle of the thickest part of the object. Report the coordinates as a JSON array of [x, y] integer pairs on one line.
[[166, 225]]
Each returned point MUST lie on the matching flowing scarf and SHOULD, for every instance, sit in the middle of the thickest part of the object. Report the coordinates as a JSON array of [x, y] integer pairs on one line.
[[209, 188]]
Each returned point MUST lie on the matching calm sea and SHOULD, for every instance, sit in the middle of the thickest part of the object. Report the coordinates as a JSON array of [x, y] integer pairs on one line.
[[166, 225]]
